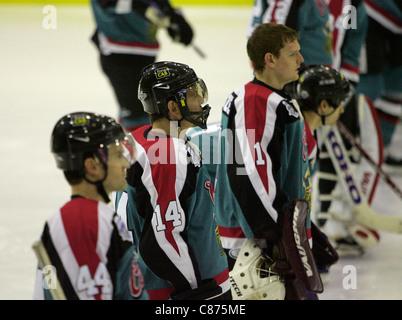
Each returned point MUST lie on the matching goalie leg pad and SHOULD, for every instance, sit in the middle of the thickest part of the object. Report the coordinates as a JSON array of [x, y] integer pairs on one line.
[[297, 247], [364, 236]]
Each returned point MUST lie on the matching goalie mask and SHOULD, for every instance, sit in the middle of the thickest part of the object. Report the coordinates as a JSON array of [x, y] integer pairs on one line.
[[252, 277], [80, 135], [163, 81]]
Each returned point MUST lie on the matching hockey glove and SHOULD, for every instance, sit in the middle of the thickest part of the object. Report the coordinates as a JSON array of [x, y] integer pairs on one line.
[[324, 254], [179, 29]]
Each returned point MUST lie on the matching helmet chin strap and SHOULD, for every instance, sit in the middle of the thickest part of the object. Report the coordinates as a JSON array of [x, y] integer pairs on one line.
[[323, 117], [202, 116], [99, 185], [200, 121]]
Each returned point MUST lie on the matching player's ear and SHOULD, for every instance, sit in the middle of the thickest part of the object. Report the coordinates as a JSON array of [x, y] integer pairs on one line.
[[269, 59], [323, 107], [174, 111], [91, 165]]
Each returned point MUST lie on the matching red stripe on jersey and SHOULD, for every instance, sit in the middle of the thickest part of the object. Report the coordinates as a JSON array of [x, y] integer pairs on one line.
[[350, 67], [234, 232], [168, 194], [255, 108], [80, 220], [273, 14], [311, 143], [222, 277], [134, 44], [336, 8], [384, 13], [160, 294], [160, 150]]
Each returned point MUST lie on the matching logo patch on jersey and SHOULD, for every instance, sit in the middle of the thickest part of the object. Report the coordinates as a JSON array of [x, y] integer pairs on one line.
[[136, 279], [307, 188], [121, 227], [321, 5], [194, 153], [208, 185], [291, 110]]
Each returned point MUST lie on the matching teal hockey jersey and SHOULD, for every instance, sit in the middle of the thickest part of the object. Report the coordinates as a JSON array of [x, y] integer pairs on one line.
[[169, 209], [263, 163], [311, 20]]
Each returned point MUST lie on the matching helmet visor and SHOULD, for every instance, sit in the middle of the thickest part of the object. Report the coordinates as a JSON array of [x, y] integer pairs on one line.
[[192, 102], [121, 151], [197, 91]]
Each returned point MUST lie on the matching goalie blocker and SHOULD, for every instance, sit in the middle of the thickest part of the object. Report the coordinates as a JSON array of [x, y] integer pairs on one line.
[[297, 261]]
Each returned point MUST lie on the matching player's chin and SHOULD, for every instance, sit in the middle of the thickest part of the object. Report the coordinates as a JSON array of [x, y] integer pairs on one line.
[[122, 185]]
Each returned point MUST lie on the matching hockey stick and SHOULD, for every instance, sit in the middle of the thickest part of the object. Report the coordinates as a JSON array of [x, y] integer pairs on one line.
[[349, 136], [44, 260], [362, 212]]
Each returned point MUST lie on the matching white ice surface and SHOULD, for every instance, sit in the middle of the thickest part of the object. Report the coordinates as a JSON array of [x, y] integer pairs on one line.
[[45, 74]]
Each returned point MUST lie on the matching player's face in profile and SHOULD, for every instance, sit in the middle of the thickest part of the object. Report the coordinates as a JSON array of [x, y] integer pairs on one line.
[[334, 114], [117, 166], [289, 61]]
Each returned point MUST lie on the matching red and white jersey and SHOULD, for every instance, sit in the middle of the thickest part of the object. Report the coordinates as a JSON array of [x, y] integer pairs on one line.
[[91, 252], [171, 214]]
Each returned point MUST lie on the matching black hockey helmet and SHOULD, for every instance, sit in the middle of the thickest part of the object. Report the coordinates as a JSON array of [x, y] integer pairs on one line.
[[163, 81], [317, 83], [79, 135], [83, 132]]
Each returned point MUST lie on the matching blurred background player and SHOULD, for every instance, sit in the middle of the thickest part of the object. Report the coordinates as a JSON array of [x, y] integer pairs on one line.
[[126, 36], [349, 24], [87, 243], [169, 198], [381, 72], [321, 92], [309, 18]]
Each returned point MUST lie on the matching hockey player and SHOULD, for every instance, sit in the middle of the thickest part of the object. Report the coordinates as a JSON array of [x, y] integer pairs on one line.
[[126, 36], [349, 23], [321, 88], [320, 92], [381, 75], [169, 200], [344, 22], [90, 250], [264, 161]]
